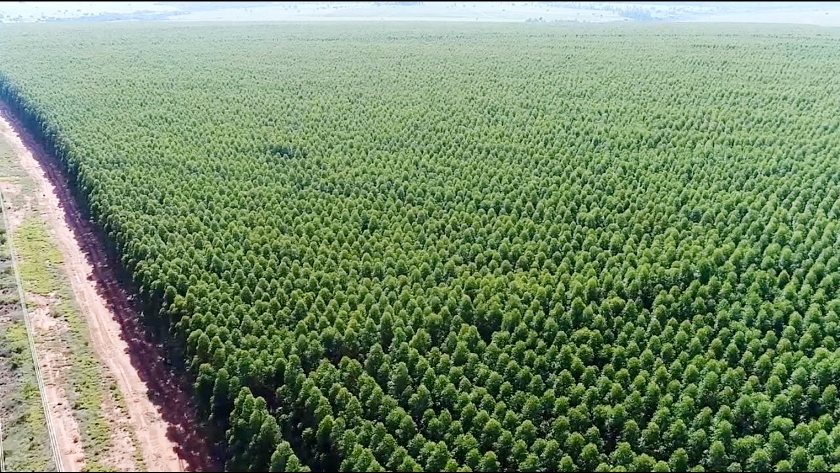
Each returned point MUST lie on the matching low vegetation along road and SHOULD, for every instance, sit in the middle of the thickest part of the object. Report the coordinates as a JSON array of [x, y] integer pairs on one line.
[[162, 437]]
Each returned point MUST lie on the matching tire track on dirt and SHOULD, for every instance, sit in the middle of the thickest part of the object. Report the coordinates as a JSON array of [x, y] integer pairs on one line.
[[167, 435]]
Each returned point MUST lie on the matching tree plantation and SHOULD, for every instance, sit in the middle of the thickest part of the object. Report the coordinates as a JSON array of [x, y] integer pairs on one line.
[[462, 247]]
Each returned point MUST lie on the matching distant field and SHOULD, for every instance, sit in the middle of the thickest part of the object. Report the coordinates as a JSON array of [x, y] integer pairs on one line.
[[827, 16], [446, 11], [31, 11], [496, 247]]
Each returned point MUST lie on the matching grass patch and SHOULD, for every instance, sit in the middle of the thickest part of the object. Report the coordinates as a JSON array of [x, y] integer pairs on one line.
[[33, 420], [40, 261], [25, 440], [26, 445], [13, 173], [18, 345], [41, 272]]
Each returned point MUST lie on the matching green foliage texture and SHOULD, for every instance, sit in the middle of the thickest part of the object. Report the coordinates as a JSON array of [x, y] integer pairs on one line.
[[469, 247]]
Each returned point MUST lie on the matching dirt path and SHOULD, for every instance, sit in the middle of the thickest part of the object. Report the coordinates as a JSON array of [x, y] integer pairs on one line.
[[165, 432]]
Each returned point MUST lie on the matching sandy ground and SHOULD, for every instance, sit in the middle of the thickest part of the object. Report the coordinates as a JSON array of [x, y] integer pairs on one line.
[[116, 334], [14, 215], [53, 363]]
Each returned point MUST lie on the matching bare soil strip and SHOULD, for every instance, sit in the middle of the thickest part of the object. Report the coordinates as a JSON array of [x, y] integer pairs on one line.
[[165, 429], [47, 331]]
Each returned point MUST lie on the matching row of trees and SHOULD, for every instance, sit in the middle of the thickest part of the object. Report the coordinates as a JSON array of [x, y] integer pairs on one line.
[[474, 248]]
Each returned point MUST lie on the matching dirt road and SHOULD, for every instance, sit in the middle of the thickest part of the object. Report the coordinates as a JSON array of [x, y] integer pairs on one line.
[[164, 428]]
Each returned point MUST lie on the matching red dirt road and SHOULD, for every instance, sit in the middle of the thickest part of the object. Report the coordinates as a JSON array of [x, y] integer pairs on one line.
[[160, 408]]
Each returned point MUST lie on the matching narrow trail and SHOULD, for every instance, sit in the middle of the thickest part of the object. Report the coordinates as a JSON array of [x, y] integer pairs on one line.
[[159, 406]]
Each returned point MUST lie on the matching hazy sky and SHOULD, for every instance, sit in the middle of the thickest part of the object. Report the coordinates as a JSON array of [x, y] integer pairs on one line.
[[816, 13]]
